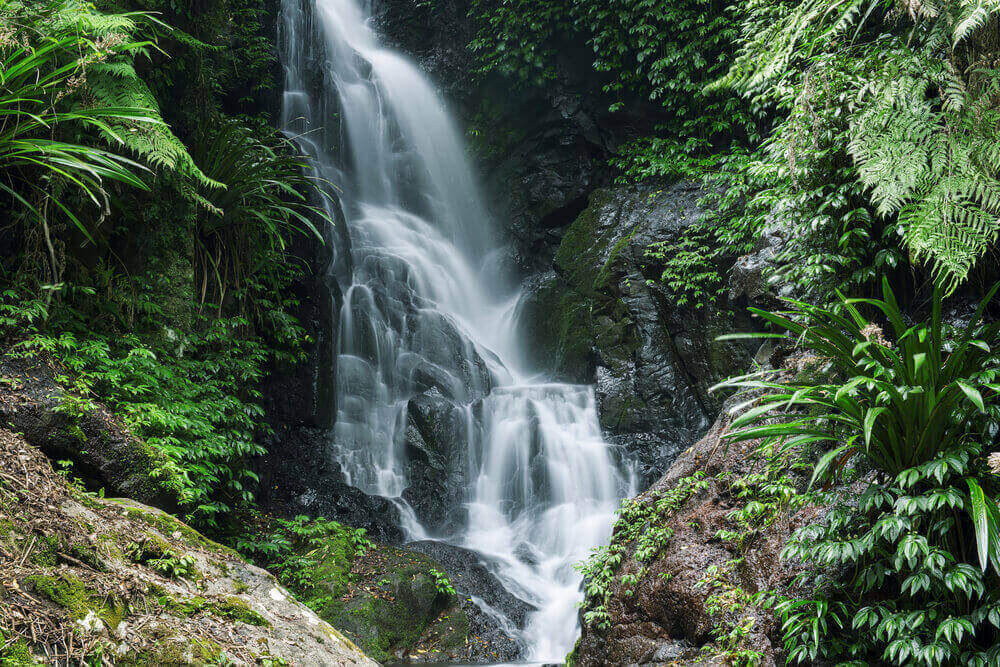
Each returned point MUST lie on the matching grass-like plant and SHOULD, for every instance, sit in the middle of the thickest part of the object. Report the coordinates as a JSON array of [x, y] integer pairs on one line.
[[905, 415], [269, 196]]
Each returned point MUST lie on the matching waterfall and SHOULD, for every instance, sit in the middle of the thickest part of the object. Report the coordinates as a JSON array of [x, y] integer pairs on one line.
[[426, 311]]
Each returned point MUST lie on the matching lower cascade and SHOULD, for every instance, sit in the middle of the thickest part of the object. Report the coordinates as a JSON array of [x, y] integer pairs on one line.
[[428, 337]]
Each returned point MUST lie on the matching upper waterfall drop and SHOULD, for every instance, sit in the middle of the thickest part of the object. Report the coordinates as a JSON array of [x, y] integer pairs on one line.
[[427, 321]]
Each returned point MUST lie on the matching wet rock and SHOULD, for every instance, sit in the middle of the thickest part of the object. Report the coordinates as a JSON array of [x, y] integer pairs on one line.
[[436, 432], [601, 317], [303, 479], [471, 576]]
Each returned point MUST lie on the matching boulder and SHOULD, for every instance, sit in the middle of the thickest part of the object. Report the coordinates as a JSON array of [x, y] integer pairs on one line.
[[674, 611], [602, 317], [103, 452], [118, 581]]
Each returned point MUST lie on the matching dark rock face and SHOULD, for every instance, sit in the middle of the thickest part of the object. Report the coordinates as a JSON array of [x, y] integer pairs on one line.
[[602, 317], [472, 579], [470, 576], [435, 426], [300, 478], [104, 453]]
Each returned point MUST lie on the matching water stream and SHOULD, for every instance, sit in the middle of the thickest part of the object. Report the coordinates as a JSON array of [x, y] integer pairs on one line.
[[427, 309]]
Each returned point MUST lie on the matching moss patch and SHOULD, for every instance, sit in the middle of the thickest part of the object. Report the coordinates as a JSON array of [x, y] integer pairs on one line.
[[175, 651], [169, 525], [17, 654], [73, 595], [231, 608], [383, 599]]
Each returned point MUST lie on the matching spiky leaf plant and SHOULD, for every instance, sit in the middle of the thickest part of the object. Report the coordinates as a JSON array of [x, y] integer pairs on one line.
[[269, 195], [904, 565]]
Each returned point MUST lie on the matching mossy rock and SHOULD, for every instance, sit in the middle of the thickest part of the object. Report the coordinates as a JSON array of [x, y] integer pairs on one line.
[[231, 607], [171, 525], [175, 651], [388, 607], [80, 602], [17, 654], [559, 328], [592, 243]]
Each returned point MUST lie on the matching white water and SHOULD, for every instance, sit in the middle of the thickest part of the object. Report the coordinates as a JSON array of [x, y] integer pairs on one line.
[[427, 307]]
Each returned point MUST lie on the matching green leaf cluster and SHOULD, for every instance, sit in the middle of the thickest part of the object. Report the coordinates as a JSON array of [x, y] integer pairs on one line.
[[906, 569]]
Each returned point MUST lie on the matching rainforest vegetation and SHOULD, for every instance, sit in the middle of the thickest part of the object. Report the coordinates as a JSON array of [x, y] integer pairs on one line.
[[153, 222]]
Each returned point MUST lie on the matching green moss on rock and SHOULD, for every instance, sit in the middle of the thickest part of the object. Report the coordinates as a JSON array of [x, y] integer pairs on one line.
[[236, 609], [73, 595], [175, 651], [390, 609], [17, 654], [231, 608]]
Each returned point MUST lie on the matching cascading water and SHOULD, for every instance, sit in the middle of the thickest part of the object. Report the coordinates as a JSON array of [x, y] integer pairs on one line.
[[426, 311]]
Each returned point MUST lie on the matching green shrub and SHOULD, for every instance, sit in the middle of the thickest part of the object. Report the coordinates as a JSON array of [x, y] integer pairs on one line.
[[900, 569], [294, 548]]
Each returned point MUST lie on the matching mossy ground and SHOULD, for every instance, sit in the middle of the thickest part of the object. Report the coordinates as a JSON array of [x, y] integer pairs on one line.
[[80, 601]]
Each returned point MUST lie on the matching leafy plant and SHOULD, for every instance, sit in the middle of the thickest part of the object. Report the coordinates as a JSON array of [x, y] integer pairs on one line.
[[442, 582], [654, 55], [244, 228], [39, 81], [919, 104], [293, 548], [894, 568]]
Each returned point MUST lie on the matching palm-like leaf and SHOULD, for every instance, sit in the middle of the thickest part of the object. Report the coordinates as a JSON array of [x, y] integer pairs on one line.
[[268, 196], [31, 83]]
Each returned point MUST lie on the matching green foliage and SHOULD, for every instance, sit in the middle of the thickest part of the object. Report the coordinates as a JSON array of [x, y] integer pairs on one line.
[[265, 202], [293, 549], [654, 55], [642, 529], [917, 106], [442, 583], [191, 395], [158, 555], [734, 613], [46, 52], [166, 300], [763, 496], [900, 571]]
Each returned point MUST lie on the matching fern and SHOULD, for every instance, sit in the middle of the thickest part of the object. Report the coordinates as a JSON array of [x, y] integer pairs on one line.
[[111, 81], [920, 107]]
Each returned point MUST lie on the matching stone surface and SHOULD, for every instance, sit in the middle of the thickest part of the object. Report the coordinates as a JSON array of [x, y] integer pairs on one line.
[[85, 575], [601, 317], [105, 454], [399, 605], [299, 477], [667, 616], [471, 576]]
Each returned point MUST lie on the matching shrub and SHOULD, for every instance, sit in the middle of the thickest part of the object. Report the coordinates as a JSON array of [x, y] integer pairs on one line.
[[899, 566]]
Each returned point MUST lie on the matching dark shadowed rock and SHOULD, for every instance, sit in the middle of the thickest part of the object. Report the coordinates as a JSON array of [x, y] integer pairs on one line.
[[104, 453], [305, 480], [471, 576], [603, 317]]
